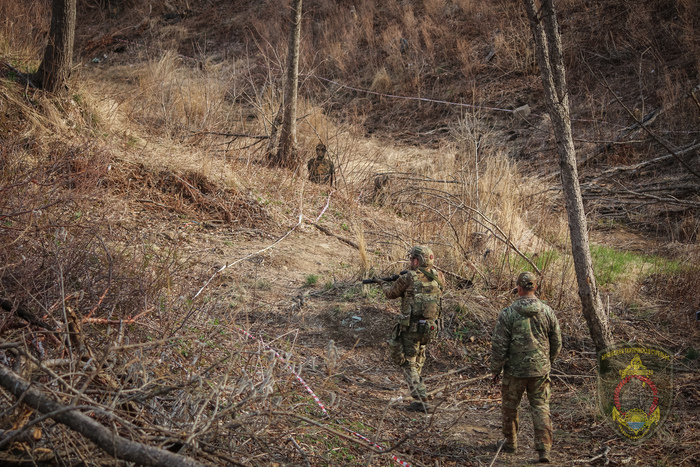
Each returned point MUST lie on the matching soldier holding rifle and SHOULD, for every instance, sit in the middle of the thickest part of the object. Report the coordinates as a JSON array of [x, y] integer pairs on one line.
[[420, 289]]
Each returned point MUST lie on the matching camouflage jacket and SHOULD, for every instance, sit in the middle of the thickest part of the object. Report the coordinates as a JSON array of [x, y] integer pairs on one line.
[[321, 171], [420, 294], [526, 339]]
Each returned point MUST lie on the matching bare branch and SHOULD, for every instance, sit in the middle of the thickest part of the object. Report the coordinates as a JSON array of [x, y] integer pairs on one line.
[[106, 439]]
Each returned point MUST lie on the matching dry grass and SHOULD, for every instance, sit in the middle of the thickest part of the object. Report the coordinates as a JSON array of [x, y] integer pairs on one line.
[[103, 191], [22, 30]]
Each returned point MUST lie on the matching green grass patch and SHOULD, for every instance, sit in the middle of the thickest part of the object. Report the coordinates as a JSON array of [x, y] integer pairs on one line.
[[611, 265], [311, 280], [542, 260]]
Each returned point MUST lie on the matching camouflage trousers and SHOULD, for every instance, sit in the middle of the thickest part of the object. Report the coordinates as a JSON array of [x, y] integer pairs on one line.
[[538, 394], [408, 351]]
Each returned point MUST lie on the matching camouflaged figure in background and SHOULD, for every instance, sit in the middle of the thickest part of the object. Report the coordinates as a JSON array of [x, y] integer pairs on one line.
[[420, 290], [321, 169], [525, 343]]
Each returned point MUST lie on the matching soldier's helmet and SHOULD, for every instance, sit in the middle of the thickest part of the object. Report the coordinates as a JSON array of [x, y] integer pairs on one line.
[[423, 254], [320, 150]]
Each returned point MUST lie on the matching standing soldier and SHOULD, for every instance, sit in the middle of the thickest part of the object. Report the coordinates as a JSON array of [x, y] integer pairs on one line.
[[321, 168], [420, 290], [525, 342]]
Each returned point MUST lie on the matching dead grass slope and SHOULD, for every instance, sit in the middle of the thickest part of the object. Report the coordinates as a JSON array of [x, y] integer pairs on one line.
[[183, 293]]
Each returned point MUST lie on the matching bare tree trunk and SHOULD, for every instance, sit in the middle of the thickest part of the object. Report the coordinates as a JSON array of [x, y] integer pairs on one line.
[[56, 66], [286, 155], [548, 49]]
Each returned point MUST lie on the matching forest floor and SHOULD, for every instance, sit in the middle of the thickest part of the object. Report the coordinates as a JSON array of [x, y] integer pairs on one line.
[[302, 287]]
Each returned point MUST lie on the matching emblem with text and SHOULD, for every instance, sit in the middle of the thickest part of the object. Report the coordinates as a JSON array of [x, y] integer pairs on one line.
[[635, 383]]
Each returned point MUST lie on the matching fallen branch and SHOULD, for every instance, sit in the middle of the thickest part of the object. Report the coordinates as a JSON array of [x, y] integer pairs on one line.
[[643, 125], [462, 280], [233, 135], [21, 436], [245, 257], [114, 321], [25, 78], [603, 454], [464, 384], [634, 168], [498, 451], [25, 314], [105, 438], [153, 202], [329, 233]]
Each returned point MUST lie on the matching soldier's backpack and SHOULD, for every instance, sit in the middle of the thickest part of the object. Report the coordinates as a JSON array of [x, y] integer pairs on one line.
[[427, 291]]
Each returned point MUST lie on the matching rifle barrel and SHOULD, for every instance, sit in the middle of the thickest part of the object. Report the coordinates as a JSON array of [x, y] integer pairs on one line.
[[384, 279]]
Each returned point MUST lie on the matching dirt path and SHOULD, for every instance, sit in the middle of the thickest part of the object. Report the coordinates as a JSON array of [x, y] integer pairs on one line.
[[359, 385]]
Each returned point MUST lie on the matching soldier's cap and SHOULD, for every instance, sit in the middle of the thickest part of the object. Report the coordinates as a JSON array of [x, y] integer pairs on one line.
[[527, 280]]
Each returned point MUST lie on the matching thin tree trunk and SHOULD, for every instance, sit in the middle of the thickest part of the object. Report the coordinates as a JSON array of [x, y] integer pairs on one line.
[[55, 68], [548, 49], [286, 156]]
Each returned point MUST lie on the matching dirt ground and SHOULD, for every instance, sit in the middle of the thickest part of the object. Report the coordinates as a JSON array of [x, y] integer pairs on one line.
[[304, 286]]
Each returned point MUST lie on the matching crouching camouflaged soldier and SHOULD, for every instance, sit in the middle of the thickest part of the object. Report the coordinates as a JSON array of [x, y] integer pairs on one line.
[[321, 169], [420, 290], [525, 342]]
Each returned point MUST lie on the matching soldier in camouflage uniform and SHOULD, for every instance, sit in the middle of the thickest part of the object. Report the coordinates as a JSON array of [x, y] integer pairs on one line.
[[420, 290], [321, 169], [525, 342]]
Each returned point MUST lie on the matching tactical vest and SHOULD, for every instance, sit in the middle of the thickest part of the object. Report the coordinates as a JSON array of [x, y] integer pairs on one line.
[[426, 296]]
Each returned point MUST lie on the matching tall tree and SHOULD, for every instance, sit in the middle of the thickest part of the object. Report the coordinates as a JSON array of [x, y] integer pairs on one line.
[[287, 154], [548, 50], [56, 66]]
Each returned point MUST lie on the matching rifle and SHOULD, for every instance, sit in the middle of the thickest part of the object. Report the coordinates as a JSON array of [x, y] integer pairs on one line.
[[384, 279]]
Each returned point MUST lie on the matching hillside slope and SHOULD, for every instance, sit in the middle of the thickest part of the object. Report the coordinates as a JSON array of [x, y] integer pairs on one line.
[[159, 276]]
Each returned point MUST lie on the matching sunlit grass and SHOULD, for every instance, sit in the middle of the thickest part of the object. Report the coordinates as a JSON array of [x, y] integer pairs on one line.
[[612, 266]]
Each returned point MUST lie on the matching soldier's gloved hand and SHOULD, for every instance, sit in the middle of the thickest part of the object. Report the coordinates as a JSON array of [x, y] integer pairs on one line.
[[405, 324], [495, 378]]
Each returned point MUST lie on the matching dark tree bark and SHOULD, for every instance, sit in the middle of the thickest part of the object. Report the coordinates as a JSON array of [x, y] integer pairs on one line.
[[287, 155], [106, 438], [548, 50], [56, 66]]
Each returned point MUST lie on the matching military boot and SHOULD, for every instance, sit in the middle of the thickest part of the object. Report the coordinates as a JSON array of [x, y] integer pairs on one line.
[[510, 446], [545, 456], [418, 406]]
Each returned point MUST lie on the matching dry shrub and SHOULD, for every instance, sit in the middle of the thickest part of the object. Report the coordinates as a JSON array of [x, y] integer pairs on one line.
[[55, 245], [514, 50], [475, 213], [177, 100], [367, 13], [23, 25], [678, 288], [393, 42], [381, 82], [468, 58], [188, 192], [688, 14]]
